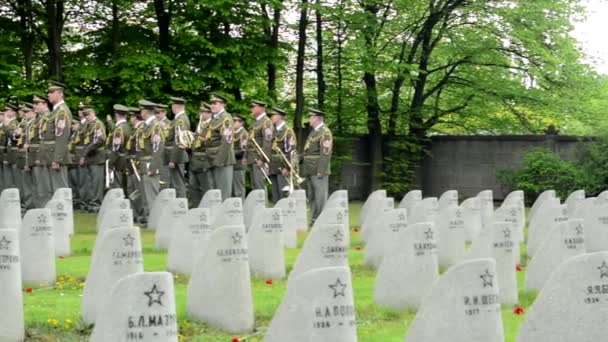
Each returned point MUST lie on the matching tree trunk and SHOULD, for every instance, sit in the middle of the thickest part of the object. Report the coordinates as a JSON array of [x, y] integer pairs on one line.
[[163, 19], [115, 31], [303, 24], [273, 43], [320, 74], [24, 10], [54, 11], [339, 51]]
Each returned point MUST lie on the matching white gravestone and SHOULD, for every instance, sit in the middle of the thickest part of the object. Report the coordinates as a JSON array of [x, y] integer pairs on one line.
[[118, 254], [140, 307], [61, 229], [574, 200], [553, 214], [596, 229], [517, 194], [301, 209], [462, 306], [334, 216], [229, 214], [266, 244], [377, 209], [410, 199], [503, 252], [10, 209], [409, 268], [450, 236], [255, 201], [390, 226], [448, 199], [107, 219], [425, 211], [548, 194], [290, 225], [189, 240], [12, 327], [514, 216], [212, 200], [318, 306], [326, 246], [219, 291], [65, 194], [161, 201], [472, 216], [565, 241], [486, 206], [337, 199], [116, 218], [110, 196], [37, 248], [370, 201], [170, 222], [573, 304]]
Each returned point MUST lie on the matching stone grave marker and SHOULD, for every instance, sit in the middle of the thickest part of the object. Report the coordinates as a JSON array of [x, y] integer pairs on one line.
[[140, 307], [503, 252], [266, 244], [326, 246], [116, 218], [171, 220], [450, 236], [371, 200], [390, 226], [409, 268], [290, 226], [37, 248], [472, 217], [255, 201], [156, 210], [334, 216], [410, 199], [61, 226], [552, 215], [338, 198], [540, 200], [65, 194], [110, 196], [425, 211], [212, 199], [596, 226], [12, 326], [486, 206], [301, 209], [219, 291], [462, 306], [117, 255], [377, 209], [189, 239], [107, 218], [10, 209], [563, 242], [229, 214], [319, 306], [448, 199], [573, 303], [574, 200]]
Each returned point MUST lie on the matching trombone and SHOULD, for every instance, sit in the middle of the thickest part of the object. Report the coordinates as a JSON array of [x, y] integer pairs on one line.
[[265, 160], [295, 180]]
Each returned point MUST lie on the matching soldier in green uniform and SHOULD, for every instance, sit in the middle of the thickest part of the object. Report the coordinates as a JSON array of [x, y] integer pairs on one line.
[[2, 150], [79, 129], [240, 147], [134, 178], [92, 160], [56, 137], [150, 157], [220, 150], [9, 127], [176, 148], [20, 155], [284, 142], [31, 147], [262, 132], [317, 159], [117, 147], [42, 182], [160, 111], [201, 179]]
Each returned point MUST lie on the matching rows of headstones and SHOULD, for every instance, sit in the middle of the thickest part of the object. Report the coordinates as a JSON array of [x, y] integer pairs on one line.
[[221, 244]]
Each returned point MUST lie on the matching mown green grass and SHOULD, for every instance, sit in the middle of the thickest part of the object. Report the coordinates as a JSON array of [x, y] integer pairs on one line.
[[53, 314]]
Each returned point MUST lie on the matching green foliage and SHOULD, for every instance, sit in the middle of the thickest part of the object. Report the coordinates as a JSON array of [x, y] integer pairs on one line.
[[593, 161], [542, 170], [400, 160]]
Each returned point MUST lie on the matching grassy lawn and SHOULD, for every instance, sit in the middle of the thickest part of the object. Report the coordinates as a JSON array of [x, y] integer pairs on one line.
[[53, 314]]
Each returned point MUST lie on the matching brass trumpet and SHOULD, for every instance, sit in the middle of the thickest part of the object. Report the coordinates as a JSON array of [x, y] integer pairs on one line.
[[294, 178], [265, 160], [185, 138]]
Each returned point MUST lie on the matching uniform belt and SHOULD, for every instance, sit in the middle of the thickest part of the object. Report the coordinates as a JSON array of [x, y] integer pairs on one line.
[[169, 147], [145, 158], [48, 142], [35, 145], [79, 147], [312, 156], [199, 153], [13, 148], [122, 154]]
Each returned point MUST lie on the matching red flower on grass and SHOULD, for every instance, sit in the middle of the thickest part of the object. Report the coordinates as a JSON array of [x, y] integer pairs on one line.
[[358, 248], [29, 290], [519, 310], [236, 339], [61, 257], [356, 230], [518, 268], [269, 281]]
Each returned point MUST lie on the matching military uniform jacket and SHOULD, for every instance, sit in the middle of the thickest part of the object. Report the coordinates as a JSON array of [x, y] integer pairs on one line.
[[117, 146], [94, 142], [33, 141], [241, 138], [150, 147], [55, 133], [285, 141], [134, 152], [220, 150], [11, 143], [262, 131], [77, 140], [167, 127], [200, 160], [317, 152], [176, 154], [20, 135]]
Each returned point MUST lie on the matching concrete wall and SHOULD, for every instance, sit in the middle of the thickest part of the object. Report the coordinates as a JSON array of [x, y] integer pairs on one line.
[[464, 163]]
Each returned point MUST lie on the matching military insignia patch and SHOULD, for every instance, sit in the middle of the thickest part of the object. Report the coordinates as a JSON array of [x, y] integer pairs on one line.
[[156, 139], [60, 126], [327, 145], [268, 133], [244, 142], [116, 142], [228, 135]]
